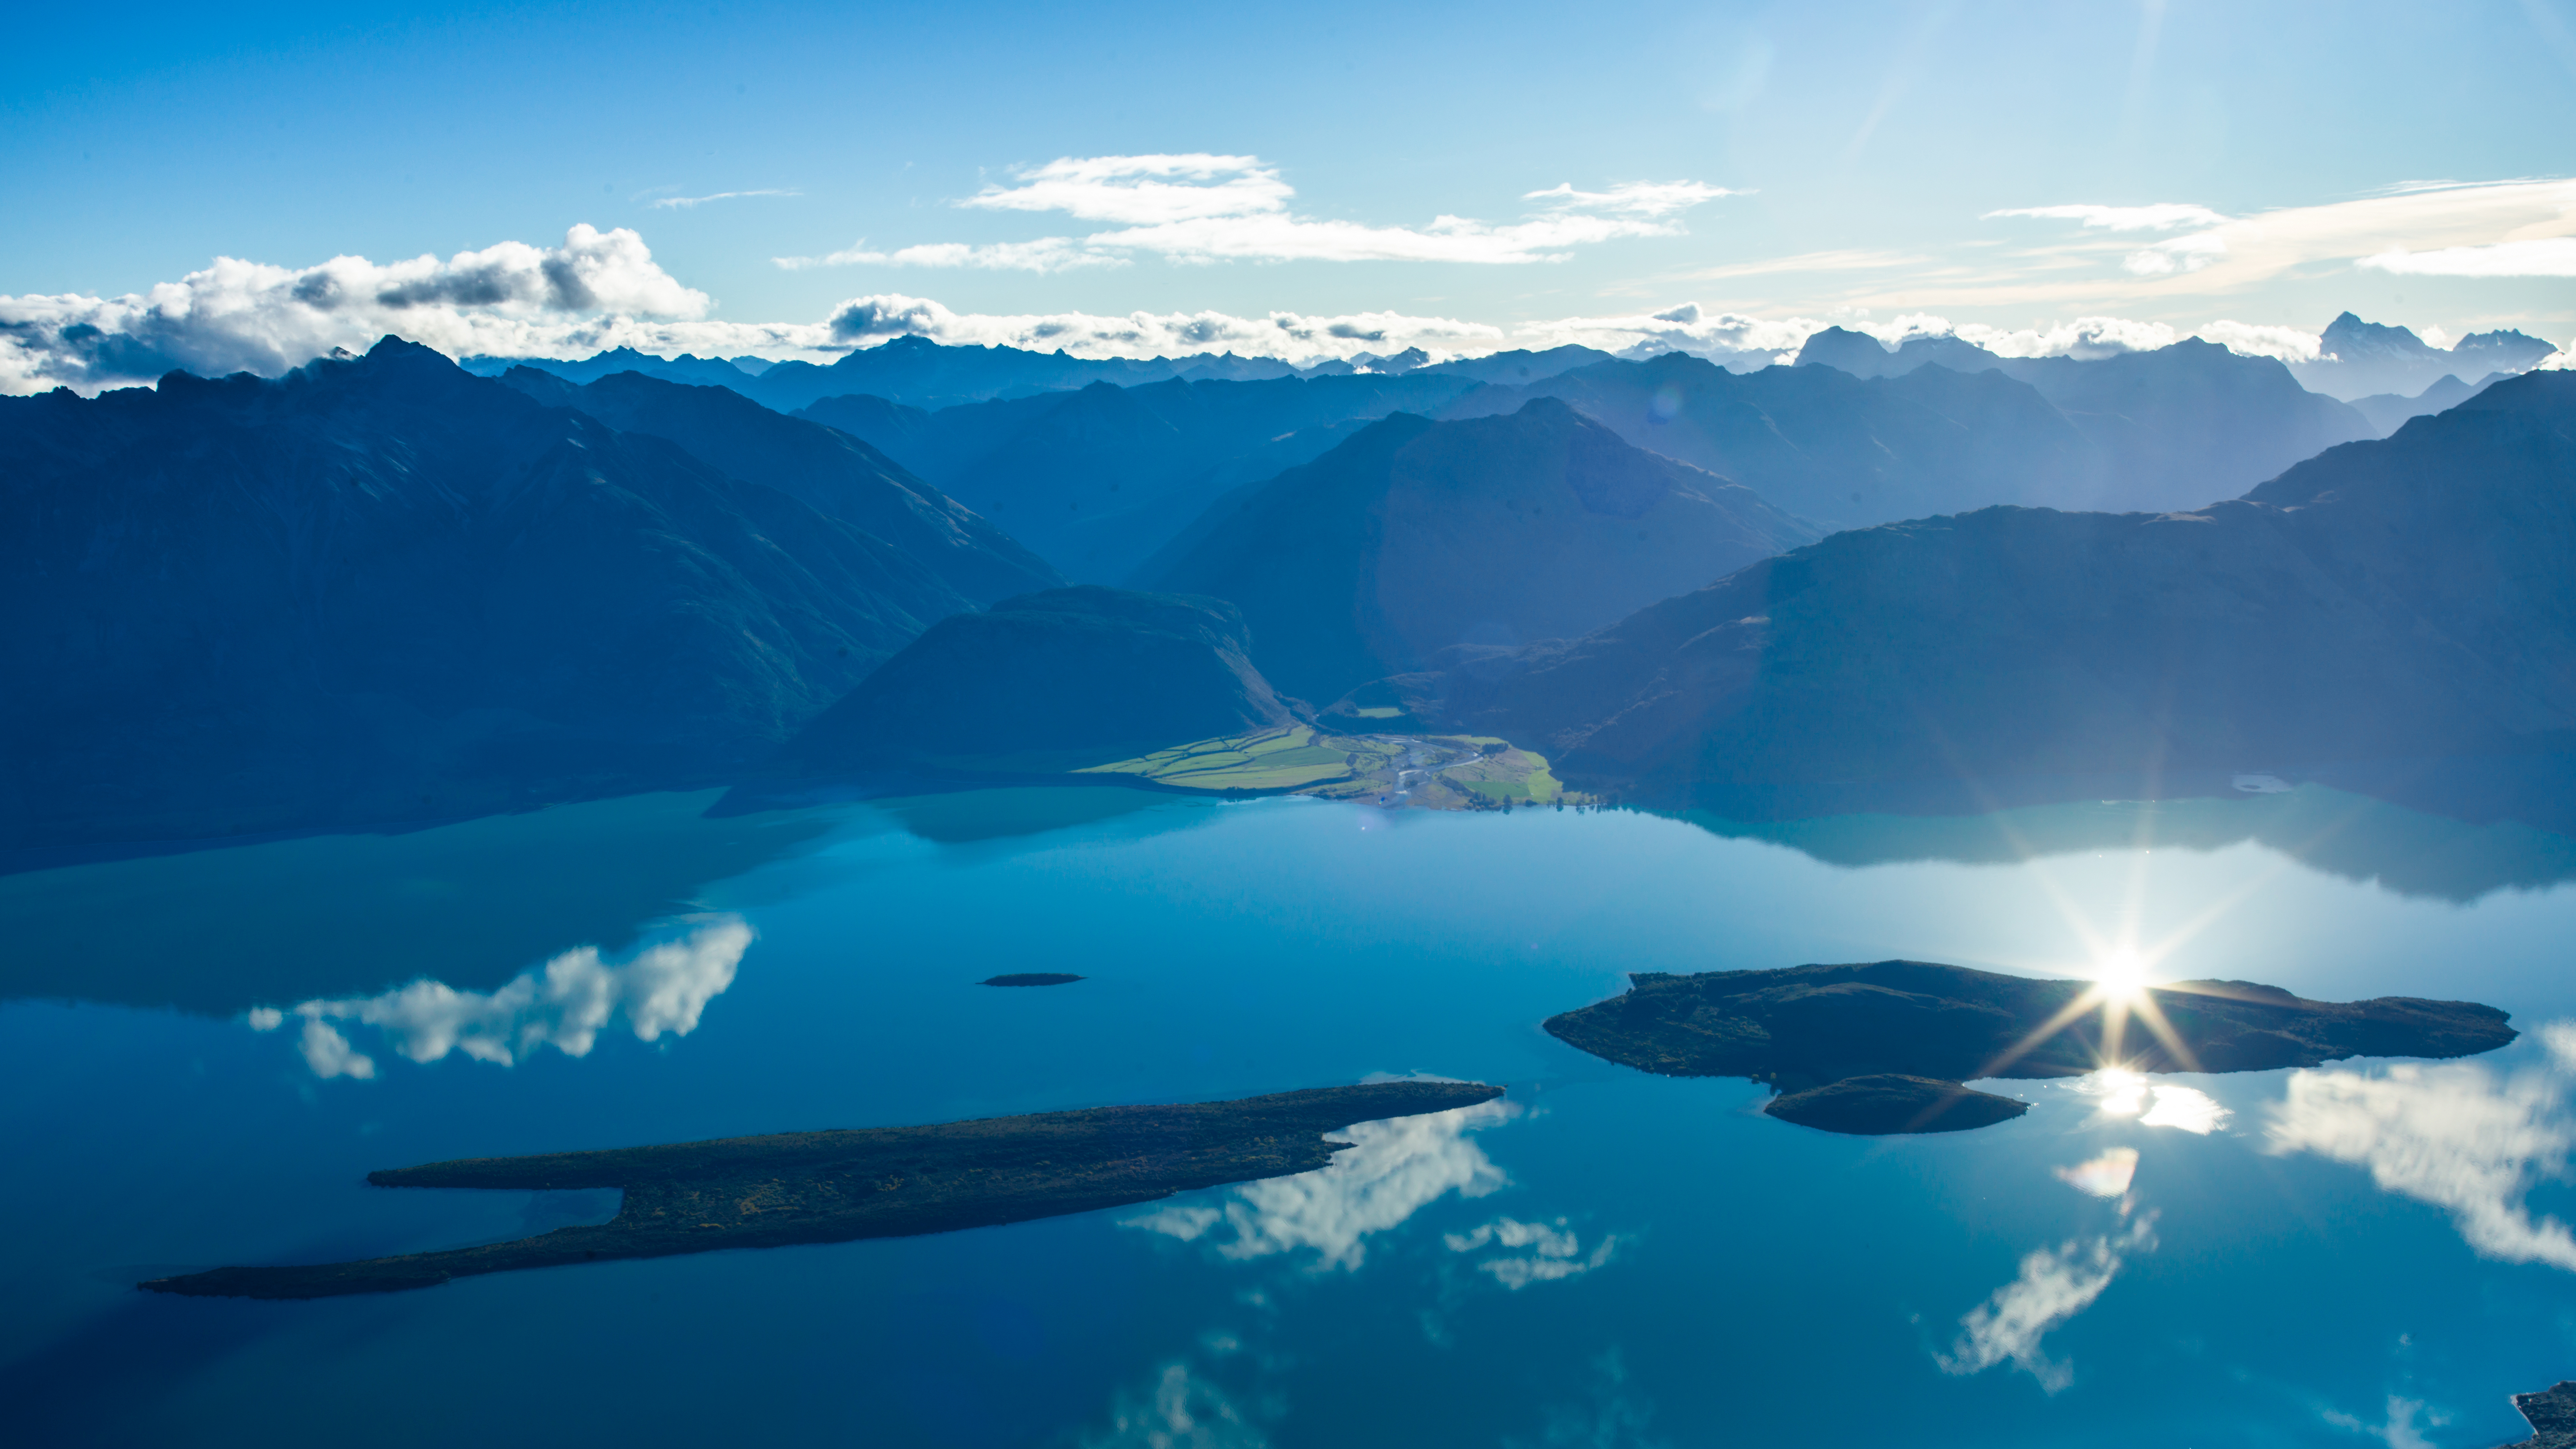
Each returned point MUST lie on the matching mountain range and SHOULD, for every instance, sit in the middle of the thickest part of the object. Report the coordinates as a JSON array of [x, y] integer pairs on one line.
[[2360, 359], [1097, 480], [383, 589], [2158, 430], [1414, 536], [2386, 600]]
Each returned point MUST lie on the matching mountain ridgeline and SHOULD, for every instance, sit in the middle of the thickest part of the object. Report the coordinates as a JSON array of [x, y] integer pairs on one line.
[[382, 589], [2153, 431], [1416, 536], [2398, 599], [1097, 480]]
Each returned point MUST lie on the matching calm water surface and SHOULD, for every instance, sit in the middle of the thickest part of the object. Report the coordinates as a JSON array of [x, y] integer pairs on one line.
[[2372, 1252]]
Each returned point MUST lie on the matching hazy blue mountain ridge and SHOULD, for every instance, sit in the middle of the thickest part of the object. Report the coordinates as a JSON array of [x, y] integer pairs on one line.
[[1097, 480], [1415, 536], [382, 589], [2363, 359]]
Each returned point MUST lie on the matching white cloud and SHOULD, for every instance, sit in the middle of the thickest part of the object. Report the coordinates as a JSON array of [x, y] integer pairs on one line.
[[246, 316], [563, 1004], [1633, 198], [2055, 1284], [1142, 190], [2226, 255], [2546, 257], [2457, 1137], [684, 203], [2288, 344], [1393, 1171], [1200, 208], [1555, 1251], [1046, 254], [2160, 216]]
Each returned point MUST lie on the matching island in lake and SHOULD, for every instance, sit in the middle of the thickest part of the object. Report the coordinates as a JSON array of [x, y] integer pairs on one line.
[[1884, 1047], [1031, 978], [879, 1182]]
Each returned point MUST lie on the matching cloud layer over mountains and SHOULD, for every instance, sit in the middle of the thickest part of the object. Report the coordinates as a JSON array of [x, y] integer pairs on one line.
[[603, 289]]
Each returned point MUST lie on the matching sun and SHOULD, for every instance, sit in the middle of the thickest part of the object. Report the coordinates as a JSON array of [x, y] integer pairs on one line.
[[2122, 973]]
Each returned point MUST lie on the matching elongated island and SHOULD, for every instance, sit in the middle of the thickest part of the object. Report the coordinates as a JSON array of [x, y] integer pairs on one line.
[[879, 1182], [1884, 1047]]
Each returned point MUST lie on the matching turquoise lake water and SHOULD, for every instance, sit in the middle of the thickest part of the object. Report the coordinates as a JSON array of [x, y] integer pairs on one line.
[[204, 1053]]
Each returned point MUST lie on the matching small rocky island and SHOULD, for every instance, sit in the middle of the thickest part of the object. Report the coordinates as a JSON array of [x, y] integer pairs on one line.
[[879, 1182], [1031, 978], [1883, 1047]]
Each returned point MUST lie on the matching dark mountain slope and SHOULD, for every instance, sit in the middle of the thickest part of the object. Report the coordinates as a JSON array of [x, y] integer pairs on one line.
[[1415, 536], [1060, 679], [2406, 598], [383, 589], [832, 471], [1097, 480]]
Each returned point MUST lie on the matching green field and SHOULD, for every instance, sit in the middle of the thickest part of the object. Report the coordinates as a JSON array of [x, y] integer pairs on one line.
[[1271, 760]]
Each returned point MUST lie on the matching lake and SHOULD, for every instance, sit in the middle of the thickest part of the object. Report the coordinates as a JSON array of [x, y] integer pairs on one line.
[[205, 1052]]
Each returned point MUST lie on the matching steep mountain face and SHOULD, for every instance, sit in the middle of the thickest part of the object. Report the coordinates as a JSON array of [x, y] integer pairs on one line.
[[1056, 680], [1830, 447], [832, 471], [2360, 359], [1416, 536], [383, 589], [2402, 598], [1097, 480], [2175, 427]]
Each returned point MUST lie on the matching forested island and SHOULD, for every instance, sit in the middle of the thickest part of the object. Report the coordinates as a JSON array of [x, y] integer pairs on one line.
[[879, 1182], [1883, 1047]]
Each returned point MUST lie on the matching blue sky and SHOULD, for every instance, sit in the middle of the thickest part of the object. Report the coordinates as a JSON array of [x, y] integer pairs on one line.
[[1864, 147]]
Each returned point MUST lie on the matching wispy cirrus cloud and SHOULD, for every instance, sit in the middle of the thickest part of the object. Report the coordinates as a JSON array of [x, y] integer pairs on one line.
[[2159, 216], [684, 203], [2547, 257], [1205, 208], [2521, 227]]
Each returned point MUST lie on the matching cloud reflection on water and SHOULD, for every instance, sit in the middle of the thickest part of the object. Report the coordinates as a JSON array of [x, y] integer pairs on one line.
[[1555, 1251], [564, 1004], [2055, 1285], [2458, 1136], [1181, 1410], [1394, 1169]]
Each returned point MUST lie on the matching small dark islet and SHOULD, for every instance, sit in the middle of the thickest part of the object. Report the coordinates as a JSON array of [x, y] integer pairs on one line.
[[1031, 978]]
